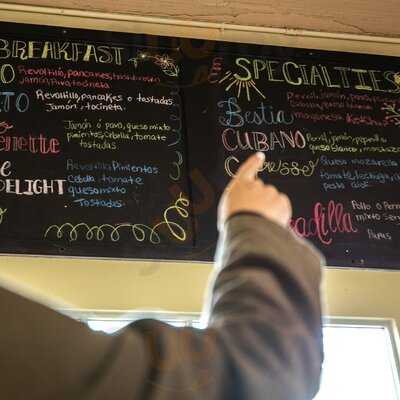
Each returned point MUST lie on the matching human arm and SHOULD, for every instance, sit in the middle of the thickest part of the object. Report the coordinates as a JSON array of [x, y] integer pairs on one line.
[[263, 340]]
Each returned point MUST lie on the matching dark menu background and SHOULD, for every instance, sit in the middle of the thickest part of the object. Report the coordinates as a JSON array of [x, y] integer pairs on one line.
[[119, 145], [94, 139]]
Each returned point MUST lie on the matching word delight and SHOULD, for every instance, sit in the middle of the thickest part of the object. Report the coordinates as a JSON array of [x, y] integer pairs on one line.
[[28, 187]]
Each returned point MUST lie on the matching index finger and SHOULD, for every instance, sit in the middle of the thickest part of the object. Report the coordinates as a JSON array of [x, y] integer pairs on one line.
[[249, 169]]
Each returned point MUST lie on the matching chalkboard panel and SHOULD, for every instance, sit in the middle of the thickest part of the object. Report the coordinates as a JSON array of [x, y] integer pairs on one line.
[[92, 141], [329, 125], [119, 145]]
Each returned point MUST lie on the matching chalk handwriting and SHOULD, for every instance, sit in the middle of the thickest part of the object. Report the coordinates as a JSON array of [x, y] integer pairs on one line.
[[60, 51], [109, 135], [234, 140], [373, 235], [70, 100], [154, 100], [10, 101], [326, 221], [252, 71], [40, 145], [235, 117], [7, 74], [78, 78], [28, 187], [346, 143], [284, 168], [112, 166], [365, 162]]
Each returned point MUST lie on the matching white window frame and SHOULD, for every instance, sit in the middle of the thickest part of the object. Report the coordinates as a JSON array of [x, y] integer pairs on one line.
[[394, 339]]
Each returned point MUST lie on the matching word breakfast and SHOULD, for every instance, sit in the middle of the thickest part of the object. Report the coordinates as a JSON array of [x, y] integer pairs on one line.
[[62, 51]]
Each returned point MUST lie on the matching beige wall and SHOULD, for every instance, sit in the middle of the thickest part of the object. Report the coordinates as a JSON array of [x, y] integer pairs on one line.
[[344, 16], [125, 286], [121, 286]]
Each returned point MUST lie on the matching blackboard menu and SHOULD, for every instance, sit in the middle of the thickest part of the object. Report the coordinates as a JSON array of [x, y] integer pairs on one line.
[[91, 140], [119, 145]]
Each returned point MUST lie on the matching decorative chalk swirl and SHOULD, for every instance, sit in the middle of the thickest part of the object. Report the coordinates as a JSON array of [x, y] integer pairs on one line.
[[177, 117], [392, 114], [2, 214], [139, 231], [174, 228], [165, 62], [5, 126], [177, 164]]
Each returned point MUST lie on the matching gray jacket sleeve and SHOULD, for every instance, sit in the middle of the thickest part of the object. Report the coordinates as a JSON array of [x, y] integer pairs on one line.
[[263, 339]]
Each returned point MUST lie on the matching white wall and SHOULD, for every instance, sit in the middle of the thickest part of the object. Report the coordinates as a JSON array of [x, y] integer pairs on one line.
[[122, 286]]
